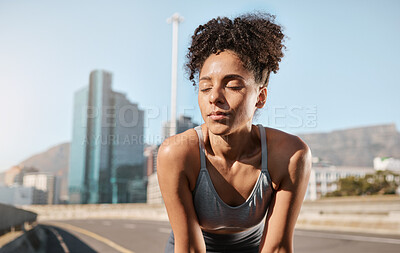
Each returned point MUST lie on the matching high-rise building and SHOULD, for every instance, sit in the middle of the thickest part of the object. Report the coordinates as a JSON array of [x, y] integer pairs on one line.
[[107, 145], [77, 158]]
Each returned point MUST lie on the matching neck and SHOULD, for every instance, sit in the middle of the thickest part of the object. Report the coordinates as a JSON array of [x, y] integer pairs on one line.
[[233, 146]]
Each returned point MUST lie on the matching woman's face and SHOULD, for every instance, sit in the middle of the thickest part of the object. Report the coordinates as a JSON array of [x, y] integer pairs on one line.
[[228, 94]]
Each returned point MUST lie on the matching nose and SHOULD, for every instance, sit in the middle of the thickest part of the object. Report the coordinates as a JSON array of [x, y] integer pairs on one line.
[[216, 96]]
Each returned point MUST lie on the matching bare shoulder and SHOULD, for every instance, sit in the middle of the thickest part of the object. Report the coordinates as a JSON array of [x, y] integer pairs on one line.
[[178, 151], [289, 154]]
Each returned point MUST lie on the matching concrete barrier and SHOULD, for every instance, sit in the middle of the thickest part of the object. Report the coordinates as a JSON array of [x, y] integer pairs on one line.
[[13, 218], [100, 211], [373, 214], [357, 214]]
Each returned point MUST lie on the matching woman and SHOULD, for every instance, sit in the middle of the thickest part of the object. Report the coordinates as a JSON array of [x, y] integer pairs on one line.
[[230, 186]]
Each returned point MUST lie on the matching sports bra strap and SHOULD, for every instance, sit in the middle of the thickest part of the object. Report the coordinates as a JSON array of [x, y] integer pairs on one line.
[[201, 146], [263, 148]]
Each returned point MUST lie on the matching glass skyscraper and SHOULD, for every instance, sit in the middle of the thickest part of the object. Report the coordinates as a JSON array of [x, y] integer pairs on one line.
[[107, 145]]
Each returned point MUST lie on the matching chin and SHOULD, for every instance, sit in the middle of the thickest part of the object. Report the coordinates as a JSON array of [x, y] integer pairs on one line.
[[218, 128]]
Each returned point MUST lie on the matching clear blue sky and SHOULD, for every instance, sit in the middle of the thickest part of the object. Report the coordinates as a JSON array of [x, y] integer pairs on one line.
[[341, 67]]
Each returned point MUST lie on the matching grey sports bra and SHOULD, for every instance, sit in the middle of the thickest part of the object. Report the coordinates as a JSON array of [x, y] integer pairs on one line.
[[214, 214]]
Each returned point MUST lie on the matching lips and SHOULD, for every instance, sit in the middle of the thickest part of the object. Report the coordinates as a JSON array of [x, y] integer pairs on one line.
[[218, 115]]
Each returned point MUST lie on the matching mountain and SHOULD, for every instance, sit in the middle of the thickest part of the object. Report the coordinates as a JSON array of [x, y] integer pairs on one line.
[[355, 146], [52, 160]]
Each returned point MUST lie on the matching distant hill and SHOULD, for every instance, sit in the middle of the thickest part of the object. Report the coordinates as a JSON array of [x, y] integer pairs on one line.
[[355, 146], [52, 160], [55, 160]]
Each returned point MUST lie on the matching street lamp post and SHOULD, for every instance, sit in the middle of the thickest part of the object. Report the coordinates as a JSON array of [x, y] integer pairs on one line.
[[175, 20]]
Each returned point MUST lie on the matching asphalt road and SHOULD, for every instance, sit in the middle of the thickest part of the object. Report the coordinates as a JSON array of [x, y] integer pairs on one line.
[[139, 236]]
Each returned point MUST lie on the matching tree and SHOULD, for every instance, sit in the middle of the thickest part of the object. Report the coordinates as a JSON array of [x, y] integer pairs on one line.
[[381, 182]]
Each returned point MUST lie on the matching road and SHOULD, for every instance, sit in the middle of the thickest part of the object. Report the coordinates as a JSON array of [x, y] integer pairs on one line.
[[139, 236]]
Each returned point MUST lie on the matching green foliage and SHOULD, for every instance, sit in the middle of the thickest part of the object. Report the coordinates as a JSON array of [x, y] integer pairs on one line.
[[382, 182]]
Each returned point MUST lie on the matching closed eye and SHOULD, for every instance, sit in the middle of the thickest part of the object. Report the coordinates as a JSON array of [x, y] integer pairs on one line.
[[205, 89], [235, 87]]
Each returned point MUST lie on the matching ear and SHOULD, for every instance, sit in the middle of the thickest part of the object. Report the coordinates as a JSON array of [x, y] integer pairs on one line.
[[262, 97]]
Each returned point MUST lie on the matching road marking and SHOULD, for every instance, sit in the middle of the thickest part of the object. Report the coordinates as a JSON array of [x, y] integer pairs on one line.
[[60, 240], [130, 226], [348, 237], [164, 230], [93, 235]]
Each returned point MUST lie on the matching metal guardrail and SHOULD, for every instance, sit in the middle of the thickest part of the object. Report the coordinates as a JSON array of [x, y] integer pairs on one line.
[[12, 217]]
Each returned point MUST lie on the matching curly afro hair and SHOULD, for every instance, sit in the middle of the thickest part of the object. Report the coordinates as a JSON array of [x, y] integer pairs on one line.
[[255, 38]]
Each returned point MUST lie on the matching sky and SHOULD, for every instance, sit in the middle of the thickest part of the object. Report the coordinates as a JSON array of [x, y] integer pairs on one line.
[[340, 70]]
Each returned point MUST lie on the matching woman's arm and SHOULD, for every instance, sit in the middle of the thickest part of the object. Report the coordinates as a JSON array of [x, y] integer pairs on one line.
[[175, 158], [286, 203]]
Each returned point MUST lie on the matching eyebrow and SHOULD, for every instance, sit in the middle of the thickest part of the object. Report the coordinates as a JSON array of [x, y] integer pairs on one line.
[[230, 76], [234, 76], [205, 78]]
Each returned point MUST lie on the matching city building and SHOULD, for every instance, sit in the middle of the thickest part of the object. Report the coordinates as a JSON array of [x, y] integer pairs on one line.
[[16, 195], [10, 175], [183, 123], [2, 178], [15, 175], [150, 155], [387, 163], [153, 190], [106, 157], [44, 188], [324, 177]]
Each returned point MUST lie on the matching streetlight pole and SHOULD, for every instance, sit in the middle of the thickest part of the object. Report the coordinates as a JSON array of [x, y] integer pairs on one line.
[[175, 20]]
